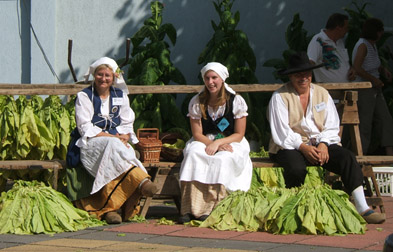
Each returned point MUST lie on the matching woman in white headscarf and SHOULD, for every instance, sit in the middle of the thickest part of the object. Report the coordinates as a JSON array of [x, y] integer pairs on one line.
[[104, 121], [216, 159]]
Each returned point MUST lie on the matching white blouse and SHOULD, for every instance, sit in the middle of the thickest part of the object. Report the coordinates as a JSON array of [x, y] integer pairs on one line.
[[84, 112], [239, 109], [286, 138]]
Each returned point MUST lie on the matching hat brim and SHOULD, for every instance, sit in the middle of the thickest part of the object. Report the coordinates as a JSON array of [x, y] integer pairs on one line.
[[298, 70]]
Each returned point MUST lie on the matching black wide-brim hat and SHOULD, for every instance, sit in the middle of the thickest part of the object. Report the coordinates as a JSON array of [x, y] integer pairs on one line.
[[298, 62]]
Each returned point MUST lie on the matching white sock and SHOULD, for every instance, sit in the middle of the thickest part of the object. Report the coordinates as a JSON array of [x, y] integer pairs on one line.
[[142, 182], [360, 199]]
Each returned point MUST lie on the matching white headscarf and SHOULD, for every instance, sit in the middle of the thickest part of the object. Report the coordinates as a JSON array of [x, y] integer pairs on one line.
[[221, 70], [118, 77]]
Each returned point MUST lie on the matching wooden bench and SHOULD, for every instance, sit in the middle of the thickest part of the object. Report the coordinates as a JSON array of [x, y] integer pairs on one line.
[[55, 165], [165, 173]]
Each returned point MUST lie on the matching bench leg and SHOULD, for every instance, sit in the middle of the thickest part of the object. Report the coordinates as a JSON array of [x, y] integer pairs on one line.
[[145, 206], [55, 178]]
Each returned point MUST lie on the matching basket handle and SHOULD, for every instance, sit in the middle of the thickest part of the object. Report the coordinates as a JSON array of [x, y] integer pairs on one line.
[[146, 130]]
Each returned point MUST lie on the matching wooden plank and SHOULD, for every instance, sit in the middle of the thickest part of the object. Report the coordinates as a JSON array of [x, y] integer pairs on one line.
[[375, 160], [162, 164], [31, 164], [71, 89]]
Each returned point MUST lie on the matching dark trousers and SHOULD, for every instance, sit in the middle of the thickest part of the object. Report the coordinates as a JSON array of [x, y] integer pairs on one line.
[[341, 161]]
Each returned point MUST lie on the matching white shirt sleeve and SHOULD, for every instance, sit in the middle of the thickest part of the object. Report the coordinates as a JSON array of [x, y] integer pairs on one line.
[[127, 118], [314, 51], [286, 138], [282, 134], [194, 110], [84, 112], [239, 107], [332, 125]]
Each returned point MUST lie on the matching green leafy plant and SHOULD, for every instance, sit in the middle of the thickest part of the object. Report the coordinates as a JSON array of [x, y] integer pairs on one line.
[[34, 129], [34, 208], [297, 40], [150, 64], [230, 47]]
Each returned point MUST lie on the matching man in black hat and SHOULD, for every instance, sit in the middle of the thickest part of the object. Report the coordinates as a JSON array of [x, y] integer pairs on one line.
[[305, 125]]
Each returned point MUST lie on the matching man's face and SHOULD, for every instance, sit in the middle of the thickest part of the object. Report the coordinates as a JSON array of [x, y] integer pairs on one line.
[[342, 30], [301, 81]]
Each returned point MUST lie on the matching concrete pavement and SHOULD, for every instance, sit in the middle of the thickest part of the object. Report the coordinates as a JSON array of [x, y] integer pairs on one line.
[[153, 237]]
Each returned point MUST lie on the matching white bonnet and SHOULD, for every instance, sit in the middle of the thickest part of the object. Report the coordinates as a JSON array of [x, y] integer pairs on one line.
[[118, 81], [221, 70]]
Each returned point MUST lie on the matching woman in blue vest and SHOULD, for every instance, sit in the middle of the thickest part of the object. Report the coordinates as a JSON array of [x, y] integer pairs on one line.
[[104, 121], [216, 159]]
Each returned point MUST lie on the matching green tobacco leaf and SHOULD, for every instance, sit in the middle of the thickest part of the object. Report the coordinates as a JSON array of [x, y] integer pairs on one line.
[[169, 30], [146, 31], [287, 221], [32, 208]]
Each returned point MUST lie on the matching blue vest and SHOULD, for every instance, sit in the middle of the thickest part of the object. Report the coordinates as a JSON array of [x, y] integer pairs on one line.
[[106, 124]]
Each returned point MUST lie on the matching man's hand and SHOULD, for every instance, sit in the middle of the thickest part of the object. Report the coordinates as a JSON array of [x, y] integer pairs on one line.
[[351, 74], [323, 153], [311, 153]]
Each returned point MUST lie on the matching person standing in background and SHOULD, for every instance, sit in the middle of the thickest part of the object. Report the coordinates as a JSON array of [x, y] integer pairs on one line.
[[328, 48], [373, 111]]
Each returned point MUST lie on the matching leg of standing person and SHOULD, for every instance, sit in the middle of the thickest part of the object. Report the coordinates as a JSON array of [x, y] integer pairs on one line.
[[366, 106], [384, 119], [294, 164]]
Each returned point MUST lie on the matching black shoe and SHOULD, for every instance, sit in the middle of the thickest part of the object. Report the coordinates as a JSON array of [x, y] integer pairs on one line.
[[203, 217], [185, 218]]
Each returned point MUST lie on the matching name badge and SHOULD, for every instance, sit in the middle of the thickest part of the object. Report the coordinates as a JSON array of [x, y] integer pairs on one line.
[[223, 124], [116, 101], [320, 107]]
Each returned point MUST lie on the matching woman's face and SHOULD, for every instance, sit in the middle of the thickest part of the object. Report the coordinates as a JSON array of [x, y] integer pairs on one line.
[[103, 78], [379, 34], [213, 82]]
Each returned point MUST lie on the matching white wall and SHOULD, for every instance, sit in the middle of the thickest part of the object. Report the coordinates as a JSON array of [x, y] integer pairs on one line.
[[10, 43], [100, 28]]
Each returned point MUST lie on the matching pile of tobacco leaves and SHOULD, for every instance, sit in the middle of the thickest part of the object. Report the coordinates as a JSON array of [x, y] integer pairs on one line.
[[313, 208], [33, 208]]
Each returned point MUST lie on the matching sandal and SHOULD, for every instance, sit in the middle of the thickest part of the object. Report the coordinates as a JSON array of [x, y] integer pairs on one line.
[[372, 217]]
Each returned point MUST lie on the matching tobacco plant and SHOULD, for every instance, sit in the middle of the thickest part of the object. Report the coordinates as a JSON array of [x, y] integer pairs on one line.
[[297, 40], [150, 64], [230, 47]]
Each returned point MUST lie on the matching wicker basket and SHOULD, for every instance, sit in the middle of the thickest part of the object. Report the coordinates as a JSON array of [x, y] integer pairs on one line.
[[149, 145], [171, 154]]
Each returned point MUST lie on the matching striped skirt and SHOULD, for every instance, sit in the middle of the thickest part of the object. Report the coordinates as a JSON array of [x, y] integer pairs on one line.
[[121, 195]]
